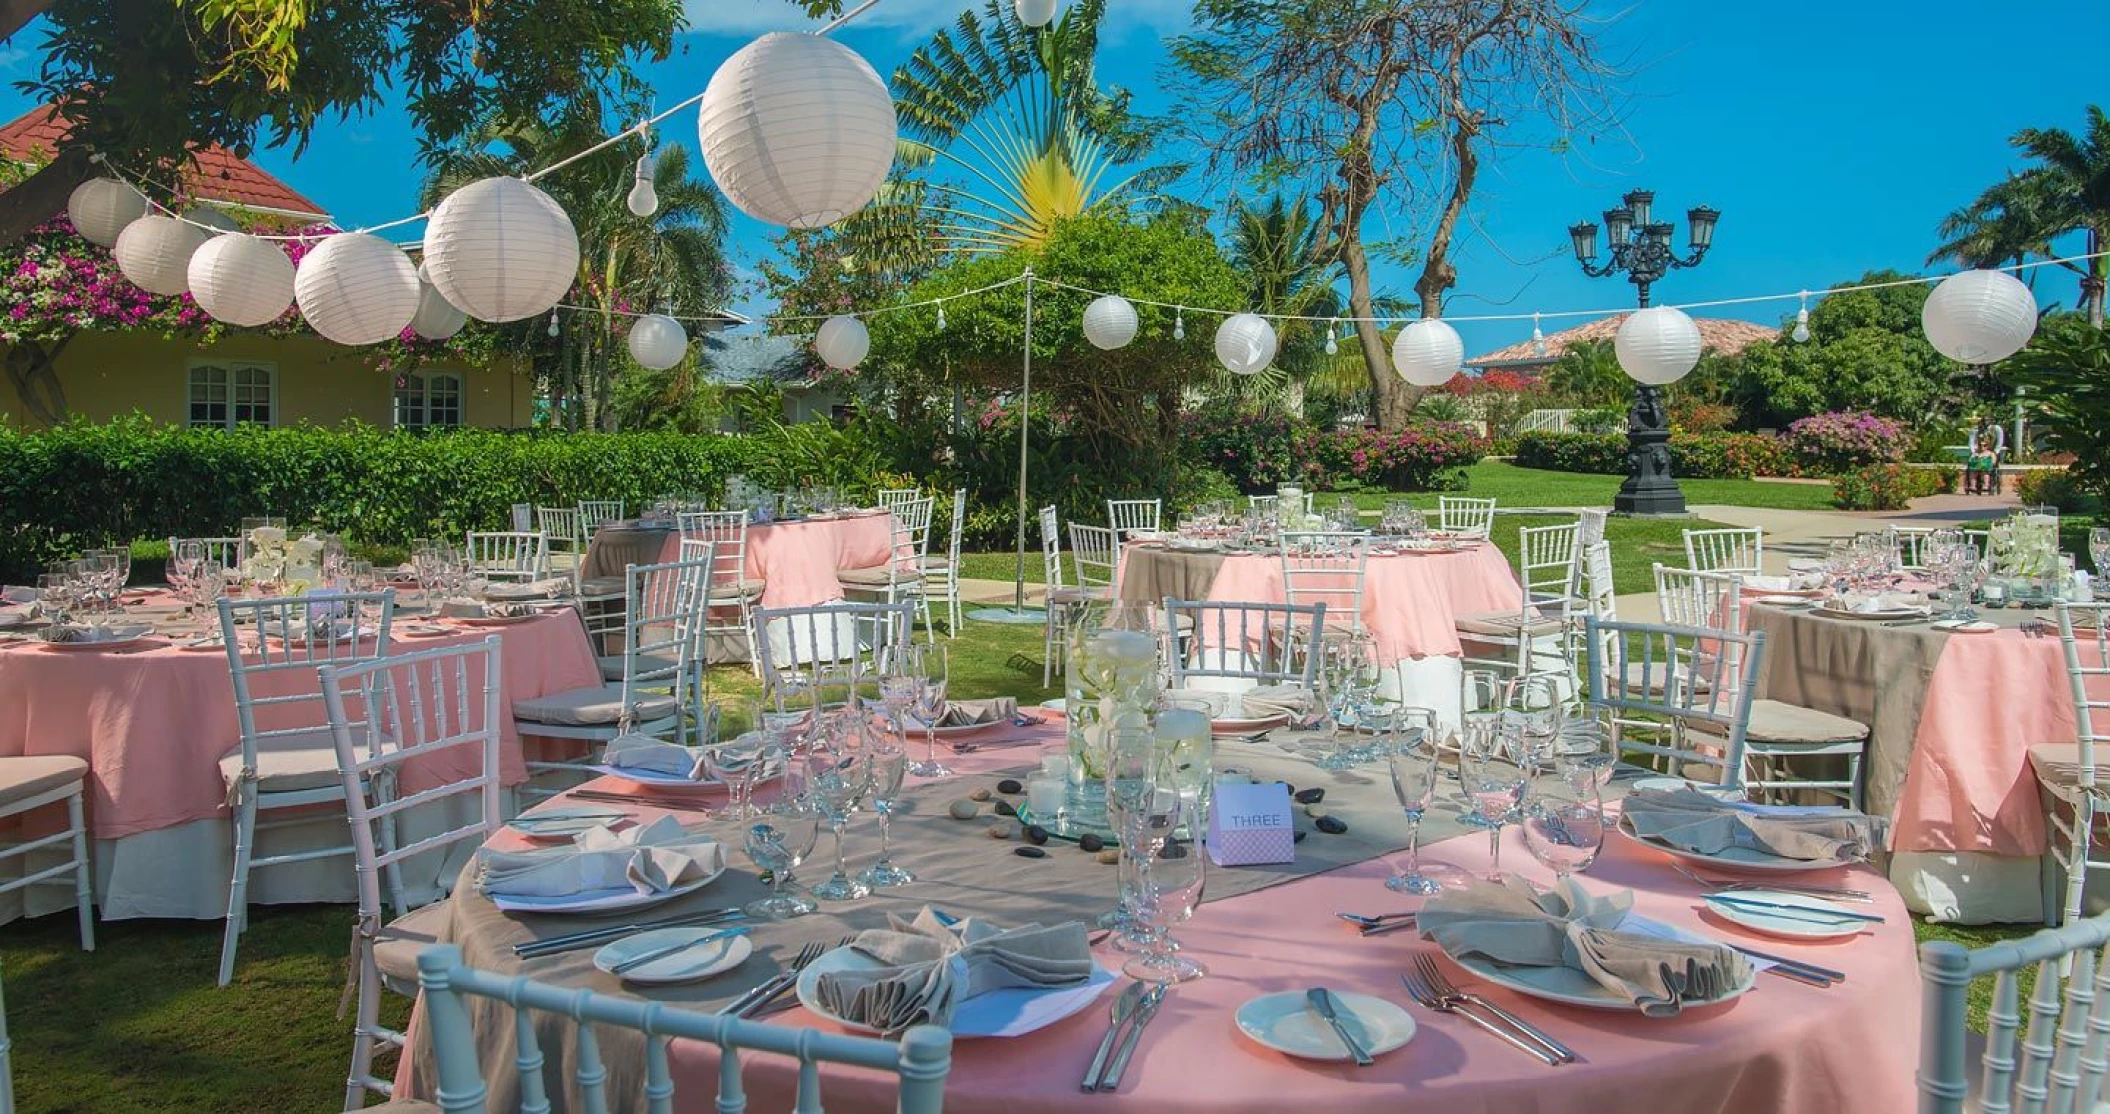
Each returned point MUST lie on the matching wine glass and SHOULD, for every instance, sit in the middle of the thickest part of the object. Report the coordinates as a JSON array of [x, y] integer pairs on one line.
[[1494, 786], [1533, 712], [1171, 887], [1587, 749], [1414, 763], [889, 768], [839, 775], [54, 596], [1564, 830], [776, 845], [934, 672], [2099, 548]]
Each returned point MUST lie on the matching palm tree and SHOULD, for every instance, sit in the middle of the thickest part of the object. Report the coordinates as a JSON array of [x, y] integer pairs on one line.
[[2065, 192], [673, 260]]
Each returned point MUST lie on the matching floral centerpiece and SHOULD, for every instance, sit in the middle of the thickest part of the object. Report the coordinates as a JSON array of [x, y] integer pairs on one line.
[[1110, 686], [2025, 550], [269, 556]]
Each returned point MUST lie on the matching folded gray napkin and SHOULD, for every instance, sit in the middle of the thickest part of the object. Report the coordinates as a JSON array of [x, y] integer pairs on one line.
[[653, 859], [1512, 924], [1693, 821], [929, 966], [1269, 701], [632, 751], [967, 713], [462, 609]]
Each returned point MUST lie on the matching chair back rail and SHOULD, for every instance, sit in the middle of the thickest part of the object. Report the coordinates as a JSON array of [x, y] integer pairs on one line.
[[819, 648], [1124, 515], [508, 554], [1258, 642], [2054, 1063], [1695, 683], [1731, 549], [1465, 516], [1051, 548], [1095, 551]]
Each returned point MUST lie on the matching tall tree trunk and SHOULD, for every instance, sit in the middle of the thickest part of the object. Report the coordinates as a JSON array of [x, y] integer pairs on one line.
[[1391, 399], [2095, 279], [42, 195]]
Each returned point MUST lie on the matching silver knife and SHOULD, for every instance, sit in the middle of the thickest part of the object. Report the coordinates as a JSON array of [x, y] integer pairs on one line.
[[629, 965], [1321, 1001], [1145, 1010], [1834, 916], [1122, 1008]]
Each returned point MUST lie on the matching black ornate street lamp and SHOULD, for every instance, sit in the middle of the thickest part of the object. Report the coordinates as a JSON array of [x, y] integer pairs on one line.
[[1641, 249]]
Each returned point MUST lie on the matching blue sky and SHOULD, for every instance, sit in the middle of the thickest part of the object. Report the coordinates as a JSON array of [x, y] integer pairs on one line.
[[1832, 135]]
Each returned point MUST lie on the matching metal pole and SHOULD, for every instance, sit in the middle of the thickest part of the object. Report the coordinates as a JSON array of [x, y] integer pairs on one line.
[[1025, 411]]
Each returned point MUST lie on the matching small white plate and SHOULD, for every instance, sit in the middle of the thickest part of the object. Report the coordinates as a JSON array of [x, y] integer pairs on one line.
[[1010, 1012], [1285, 1023], [1736, 860], [564, 823], [1812, 918], [596, 901], [422, 630], [1966, 626], [1785, 601], [688, 965]]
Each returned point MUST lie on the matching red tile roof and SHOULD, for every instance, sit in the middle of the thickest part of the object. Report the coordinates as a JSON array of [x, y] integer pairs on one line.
[[217, 174], [1718, 334]]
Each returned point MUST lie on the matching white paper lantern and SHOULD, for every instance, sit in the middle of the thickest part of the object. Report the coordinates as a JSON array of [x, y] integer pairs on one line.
[[501, 250], [1109, 322], [356, 288], [1657, 346], [214, 220], [1035, 13], [241, 280], [842, 342], [154, 252], [437, 318], [797, 130], [100, 208], [658, 341], [1427, 352], [1245, 343], [1979, 317]]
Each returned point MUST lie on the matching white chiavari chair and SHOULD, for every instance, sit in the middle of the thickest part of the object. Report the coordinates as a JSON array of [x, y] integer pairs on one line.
[[1262, 506], [2067, 773], [521, 517], [1695, 682], [31, 782], [1126, 515], [827, 644], [900, 577], [1698, 598], [1062, 598], [2057, 1063], [565, 531], [385, 715], [1465, 517], [1095, 551], [285, 761], [895, 498], [1533, 639], [1905, 541], [1734, 549], [1328, 569], [563, 1017], [1244, 644], [941, 575], [734, 595], [508, 555], [596, 513]]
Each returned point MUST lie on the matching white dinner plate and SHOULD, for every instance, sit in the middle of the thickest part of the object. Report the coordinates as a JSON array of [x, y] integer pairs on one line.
[[564, 823], [1736, 860], [958, 729], [1245, 725], [1966, 626], [597, 901], [1811, 918], [653, 779], [1886, 613], [1285, 1023], [423, 630], [495, 620], [1010, 1012], [1785, 601], [122, 641], [688, 965], [1569, 986]]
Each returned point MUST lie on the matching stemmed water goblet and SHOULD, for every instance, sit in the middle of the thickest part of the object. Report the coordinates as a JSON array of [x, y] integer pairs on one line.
[[54, 597], [889, 762], [1564, 830], [1494, 785], [1532, 707], [1586, 751], [839, 775], [1171, 887], [777, 844], [1413, 761], [933, 673], [1345, 662]]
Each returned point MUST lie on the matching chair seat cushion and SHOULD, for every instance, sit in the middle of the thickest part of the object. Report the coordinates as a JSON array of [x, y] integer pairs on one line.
[[649, 665], [1079, 595], [746, 588], [2058, 767], [602, 587], [397, 945], [286, 763], [1506, 624], [591, 707], [1775, 722], [873, 576], [27, 776]]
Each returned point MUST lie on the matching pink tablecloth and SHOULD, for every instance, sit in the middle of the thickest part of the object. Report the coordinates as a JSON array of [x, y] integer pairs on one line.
[[153, 724], [798, 559]]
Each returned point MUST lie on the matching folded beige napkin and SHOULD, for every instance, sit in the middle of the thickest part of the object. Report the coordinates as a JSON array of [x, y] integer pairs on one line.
[[929, 966], [653, 859], [461, 609], [16, 593], [1696, 822], [967, 713], [643, 752], [1509, 923], [532, 590], [1269, 701]]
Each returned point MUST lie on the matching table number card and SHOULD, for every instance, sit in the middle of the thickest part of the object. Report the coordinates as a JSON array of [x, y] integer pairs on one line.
[[1251, 824]]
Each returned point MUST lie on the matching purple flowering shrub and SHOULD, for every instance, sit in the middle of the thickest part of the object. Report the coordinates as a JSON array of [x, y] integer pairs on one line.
[[1844, 440], [1258, 452]]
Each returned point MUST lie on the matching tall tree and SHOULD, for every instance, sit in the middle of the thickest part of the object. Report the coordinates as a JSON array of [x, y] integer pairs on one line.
[[2064, 192], [1366, 99], [144, 82]]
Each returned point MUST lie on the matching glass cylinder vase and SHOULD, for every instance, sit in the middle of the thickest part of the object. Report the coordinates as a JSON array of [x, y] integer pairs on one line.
[[1110, 685]]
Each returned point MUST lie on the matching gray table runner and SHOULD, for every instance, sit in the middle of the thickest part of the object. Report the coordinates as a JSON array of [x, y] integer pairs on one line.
[[1148, 575], [617, 546]]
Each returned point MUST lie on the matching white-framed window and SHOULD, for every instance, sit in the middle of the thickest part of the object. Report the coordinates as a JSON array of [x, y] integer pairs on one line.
[[225, 393], [429, 400]]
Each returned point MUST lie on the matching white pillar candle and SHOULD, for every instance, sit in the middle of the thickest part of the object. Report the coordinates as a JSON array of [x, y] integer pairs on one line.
[[1045, 794]]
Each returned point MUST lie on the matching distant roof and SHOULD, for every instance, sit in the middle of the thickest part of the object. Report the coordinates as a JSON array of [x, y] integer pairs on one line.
[[737, 359], [217, 175], [1722, 335]]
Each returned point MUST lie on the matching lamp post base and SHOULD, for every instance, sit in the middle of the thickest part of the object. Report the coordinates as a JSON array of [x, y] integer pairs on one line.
[[1649, 488]]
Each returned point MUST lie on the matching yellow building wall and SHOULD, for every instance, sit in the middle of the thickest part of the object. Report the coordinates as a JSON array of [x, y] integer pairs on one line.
[[106, 375]]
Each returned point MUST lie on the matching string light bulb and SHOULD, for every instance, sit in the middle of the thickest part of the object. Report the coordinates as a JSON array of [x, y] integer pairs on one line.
[[941, 317], [1179, 323], [1333, 343], [643, 200], [1801, 335], [553, 323], [1538, 337]]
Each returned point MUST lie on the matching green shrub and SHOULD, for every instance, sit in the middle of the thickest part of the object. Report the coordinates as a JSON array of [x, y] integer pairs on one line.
[[1700, 456], [1256, 453], [84, 485], [1889, 487], [2052, 487], [1603, 419]]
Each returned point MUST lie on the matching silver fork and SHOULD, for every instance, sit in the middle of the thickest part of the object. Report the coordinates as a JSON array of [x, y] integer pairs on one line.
[[769, 988], [1807, 891], [1442, 985], [1428, 999], [781, 999]]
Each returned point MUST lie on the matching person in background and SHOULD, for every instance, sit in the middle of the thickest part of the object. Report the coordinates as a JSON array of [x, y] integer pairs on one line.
[[1982, 465]]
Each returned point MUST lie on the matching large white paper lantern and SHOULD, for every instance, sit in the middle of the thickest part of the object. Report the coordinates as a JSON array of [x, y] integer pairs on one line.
[[213, 219], [1427, 352], [154, 252], [842, 342], [658, 341], [797, 130], [356, 288], [241, 280], [501, 250], [100, 208], [1035, 13], [1979, 317], [1245, 343], [1109, 322], [437, 318], [1657, 346]]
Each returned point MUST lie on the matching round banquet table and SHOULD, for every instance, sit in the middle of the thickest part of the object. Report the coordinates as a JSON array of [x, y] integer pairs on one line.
[[153, 724], [1783, 1047], [1952, 718], [1411, 603]]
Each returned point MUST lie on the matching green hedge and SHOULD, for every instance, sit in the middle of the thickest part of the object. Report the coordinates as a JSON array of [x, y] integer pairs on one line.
[[1890, 487], [85, 485], [1700, 456]]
